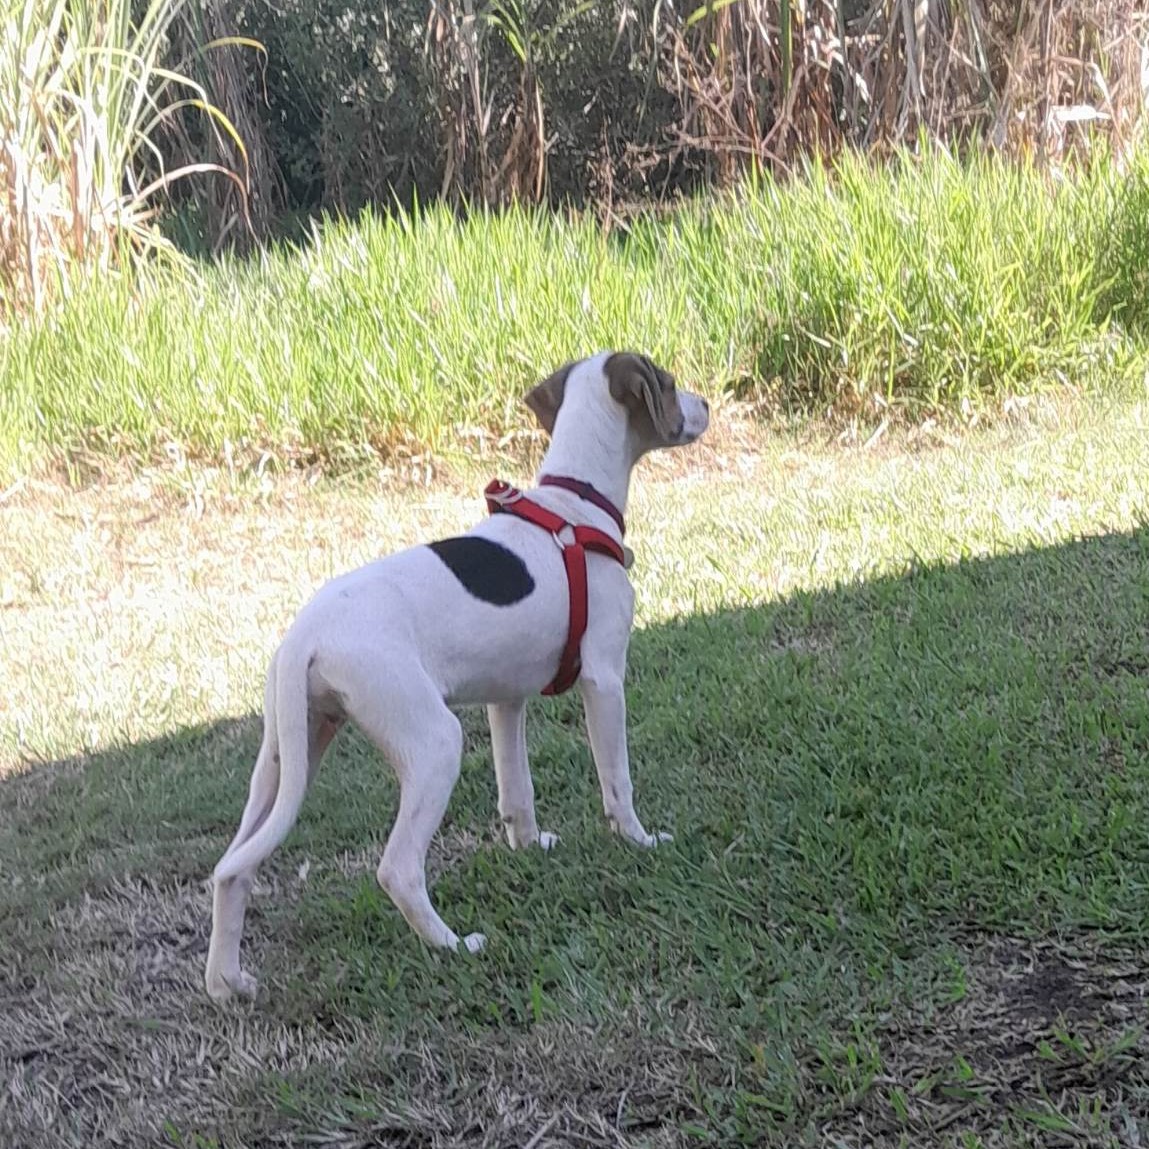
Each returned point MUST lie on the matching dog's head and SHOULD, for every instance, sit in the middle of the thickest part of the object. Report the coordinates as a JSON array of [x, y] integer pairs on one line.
[[631, 386]]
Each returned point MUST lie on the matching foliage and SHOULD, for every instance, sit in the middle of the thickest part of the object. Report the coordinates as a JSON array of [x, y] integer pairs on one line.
[[615, 101], [84, 93]]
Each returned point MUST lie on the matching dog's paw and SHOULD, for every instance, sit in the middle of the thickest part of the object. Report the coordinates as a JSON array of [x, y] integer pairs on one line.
[[547, 840], [245, 985], [474, 942], [223, 988], [633, 831]]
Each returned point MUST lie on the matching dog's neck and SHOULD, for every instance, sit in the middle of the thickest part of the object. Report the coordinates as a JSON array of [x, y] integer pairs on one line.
[[591, 443]]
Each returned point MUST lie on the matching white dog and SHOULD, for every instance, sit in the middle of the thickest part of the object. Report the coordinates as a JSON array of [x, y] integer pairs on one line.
[[482, 618]]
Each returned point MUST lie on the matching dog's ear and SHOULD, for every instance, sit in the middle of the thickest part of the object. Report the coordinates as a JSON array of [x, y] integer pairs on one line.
[[547, 397], [641, 386]]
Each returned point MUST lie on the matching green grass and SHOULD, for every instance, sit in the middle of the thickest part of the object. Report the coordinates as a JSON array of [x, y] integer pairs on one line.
[[892, 703], [925, 285]]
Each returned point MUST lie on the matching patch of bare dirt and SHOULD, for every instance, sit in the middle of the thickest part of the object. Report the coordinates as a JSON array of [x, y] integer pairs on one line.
[[1046, 1046]]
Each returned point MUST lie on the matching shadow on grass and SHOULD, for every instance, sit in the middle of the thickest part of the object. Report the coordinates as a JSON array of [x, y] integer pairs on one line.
[[907, 893]]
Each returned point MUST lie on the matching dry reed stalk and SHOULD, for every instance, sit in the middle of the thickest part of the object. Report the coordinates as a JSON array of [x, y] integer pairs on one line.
[[769, 81], [453, 48], [222, 68]]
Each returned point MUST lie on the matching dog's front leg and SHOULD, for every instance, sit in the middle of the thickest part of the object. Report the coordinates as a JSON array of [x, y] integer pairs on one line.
[[508, 722], [604, 701]]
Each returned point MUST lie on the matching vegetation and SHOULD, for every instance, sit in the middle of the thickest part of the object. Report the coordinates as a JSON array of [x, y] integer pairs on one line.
[[891, 700], [85, 91], [845, 286], [613, 103], [861, 289], [610, 103]]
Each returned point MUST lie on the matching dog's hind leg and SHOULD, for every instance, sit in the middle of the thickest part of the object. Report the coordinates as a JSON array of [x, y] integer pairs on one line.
[[232, 886], [508, 722], [423, 741], [265, 777], [223, 974]]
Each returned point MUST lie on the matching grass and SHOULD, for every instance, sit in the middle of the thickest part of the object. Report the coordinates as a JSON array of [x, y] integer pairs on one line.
[[890, 700], [931, 285], [86, 93]]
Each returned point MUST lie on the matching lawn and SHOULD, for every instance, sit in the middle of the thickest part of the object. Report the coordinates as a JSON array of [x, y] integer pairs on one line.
[[891, 699]]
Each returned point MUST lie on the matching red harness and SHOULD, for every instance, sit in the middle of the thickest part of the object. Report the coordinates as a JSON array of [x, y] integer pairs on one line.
[[502, 498]]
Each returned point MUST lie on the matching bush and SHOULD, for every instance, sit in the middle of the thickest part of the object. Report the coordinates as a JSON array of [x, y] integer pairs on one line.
[[616, 101]]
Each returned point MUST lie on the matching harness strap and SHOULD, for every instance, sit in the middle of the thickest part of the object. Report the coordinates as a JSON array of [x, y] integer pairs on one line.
[[589, 493], [502, 498]]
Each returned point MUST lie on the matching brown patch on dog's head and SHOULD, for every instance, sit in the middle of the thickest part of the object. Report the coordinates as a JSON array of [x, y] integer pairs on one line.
[[649, 394], [546, 398]]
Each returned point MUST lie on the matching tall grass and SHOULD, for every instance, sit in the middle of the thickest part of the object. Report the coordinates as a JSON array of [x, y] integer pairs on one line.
[[84, 93], [927, 284]]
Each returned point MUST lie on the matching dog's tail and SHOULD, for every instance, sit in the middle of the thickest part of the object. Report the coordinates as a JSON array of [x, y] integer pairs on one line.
[[286, 723]]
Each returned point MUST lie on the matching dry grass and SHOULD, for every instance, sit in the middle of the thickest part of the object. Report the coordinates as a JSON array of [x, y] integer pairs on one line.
[[770, 82], [1057, 1022], [113, 1045], [87, 578], [743, 83]]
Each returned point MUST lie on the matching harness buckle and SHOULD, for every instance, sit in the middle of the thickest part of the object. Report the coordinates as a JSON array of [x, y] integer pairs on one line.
[[502, 494]]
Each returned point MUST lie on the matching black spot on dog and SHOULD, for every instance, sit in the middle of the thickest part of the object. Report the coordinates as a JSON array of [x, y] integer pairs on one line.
[[487, 570]]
